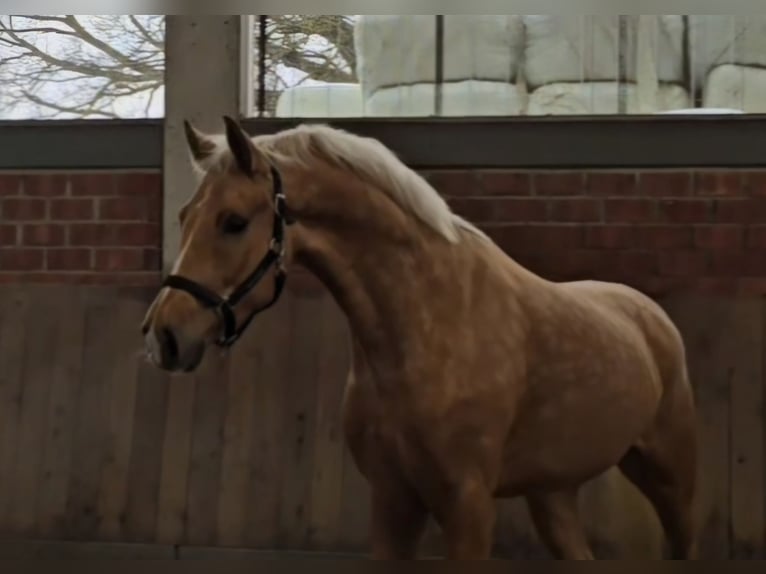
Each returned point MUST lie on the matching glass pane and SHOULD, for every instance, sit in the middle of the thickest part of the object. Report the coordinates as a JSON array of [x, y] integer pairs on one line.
[[512, 65], [86, 67]]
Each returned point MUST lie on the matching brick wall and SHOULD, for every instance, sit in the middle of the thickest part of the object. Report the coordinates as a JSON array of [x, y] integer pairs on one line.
[[660, 231], [81, 227]]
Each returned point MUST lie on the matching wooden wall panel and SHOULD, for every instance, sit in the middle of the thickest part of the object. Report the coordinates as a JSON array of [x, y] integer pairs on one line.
[[97, 445]]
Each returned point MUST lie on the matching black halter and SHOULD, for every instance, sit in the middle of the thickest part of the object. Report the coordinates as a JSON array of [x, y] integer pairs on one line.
[[225, 307]]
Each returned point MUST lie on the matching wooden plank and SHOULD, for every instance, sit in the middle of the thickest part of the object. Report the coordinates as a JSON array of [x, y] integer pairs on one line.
[[13, 333], [704, 324], [89, 439], [176, 453], [146, 454], [42, 334], [354, 533], [206, 455], [299, 422], [746, 347], [59, 550], [271, 344], [238, 439], [327, 483], [126, 354], [59, 427]]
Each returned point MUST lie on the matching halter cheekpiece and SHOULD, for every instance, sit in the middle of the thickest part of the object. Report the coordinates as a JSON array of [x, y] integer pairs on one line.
[[274, 256]]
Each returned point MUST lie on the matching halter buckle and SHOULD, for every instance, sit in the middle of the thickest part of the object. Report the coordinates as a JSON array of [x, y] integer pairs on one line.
[[278, 247]]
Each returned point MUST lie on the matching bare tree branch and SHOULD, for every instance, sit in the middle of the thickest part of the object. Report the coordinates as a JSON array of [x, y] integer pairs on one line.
[[83, 65]]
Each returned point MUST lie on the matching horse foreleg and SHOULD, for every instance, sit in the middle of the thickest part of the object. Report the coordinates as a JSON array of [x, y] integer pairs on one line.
[[558, 523], [398, 523], [468, 522]]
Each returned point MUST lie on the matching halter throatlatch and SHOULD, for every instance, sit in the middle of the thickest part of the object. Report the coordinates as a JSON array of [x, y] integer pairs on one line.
[[225, 306]]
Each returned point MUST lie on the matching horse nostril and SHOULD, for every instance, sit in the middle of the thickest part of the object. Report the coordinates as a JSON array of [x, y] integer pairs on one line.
[[144, 329], [170, 344]]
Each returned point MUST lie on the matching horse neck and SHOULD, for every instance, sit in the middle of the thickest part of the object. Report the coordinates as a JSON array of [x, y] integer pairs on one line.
[[382, 266]]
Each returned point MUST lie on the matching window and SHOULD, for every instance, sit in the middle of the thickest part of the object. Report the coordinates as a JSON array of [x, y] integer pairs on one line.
[[87, 67], [511, 65]]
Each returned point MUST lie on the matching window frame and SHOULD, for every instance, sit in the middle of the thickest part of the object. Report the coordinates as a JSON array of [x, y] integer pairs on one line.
[[652, 142], [512, 142]]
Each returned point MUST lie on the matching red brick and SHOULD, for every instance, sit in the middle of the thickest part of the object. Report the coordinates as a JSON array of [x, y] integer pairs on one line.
[[153, 260], [665, 184], [610, 236], [10, 185], [93, 184], [737, 263], [719, 237], [118, 260], [144, 184], [718, 183], [750, 210], [116, 234], [753, 183], [683, 263], [136, 279], [751, 286], [684, 210], [559, 183], [637, 263], [80, 209], [15, 259], [45, 185], [721, 286], [505, 183], [18, 209], [43, 234], [154, 208], [629, 210], [572, 264], [756, 237], [8, 235], [612, 184], [125, 208], [575, 209], [535, 238], [664, 236], [662, 286], [473, 209], [76, 259], [458, 183], [518, 209]]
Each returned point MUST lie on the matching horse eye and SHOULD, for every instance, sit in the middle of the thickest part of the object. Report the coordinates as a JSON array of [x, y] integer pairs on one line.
[[234, 224]]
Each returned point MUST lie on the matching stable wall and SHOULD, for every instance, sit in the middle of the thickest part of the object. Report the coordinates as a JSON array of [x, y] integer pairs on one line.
[[97, 446]]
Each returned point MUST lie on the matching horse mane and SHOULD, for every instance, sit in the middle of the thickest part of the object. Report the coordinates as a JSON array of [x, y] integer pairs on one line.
[[373, 163]]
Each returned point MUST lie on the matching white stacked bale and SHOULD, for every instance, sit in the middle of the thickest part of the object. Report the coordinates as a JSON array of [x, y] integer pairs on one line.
[[325, 101], [468, 98], [738, 87], [716, 40], [587, 48], [602, 98], [394, 51]]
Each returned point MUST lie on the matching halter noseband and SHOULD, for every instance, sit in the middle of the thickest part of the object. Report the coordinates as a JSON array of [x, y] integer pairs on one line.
[[225, 306]]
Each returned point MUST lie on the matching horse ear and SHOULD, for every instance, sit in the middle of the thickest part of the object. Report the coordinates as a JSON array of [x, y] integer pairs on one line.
[[241, 147], [201, 146]]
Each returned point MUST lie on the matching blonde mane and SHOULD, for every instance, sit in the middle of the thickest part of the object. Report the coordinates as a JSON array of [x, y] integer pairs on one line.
[[372, 162]]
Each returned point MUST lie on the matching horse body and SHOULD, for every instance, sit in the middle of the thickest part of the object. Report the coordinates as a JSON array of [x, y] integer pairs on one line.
[[472, 377], [581, 373]]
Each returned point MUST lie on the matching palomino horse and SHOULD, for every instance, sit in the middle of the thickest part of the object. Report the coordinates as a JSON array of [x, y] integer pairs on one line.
[[473, 378]]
